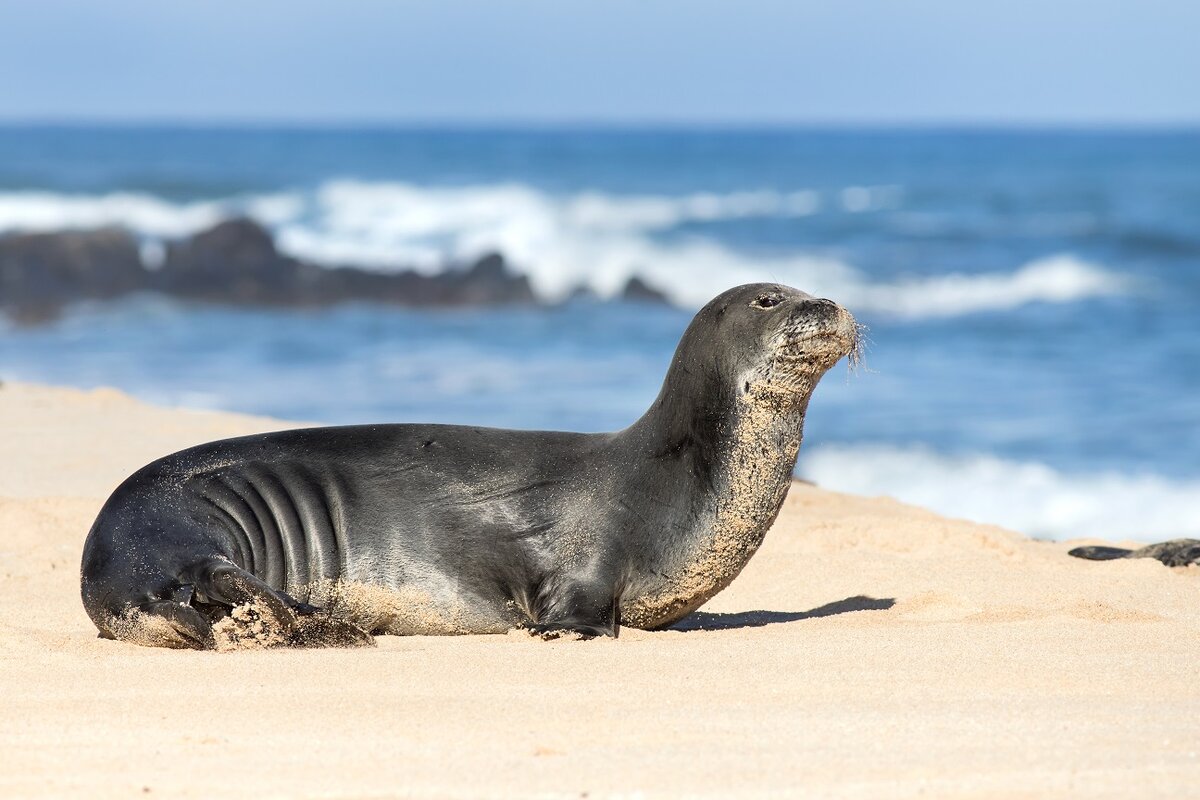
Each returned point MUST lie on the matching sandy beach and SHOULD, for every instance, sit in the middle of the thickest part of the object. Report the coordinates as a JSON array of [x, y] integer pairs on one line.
[[870, 649]]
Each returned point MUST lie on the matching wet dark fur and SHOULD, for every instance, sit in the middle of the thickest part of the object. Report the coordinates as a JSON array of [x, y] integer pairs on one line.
[[479, 530]]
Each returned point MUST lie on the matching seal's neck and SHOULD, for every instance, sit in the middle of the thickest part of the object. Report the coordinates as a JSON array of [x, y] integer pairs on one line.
[[725, 454]]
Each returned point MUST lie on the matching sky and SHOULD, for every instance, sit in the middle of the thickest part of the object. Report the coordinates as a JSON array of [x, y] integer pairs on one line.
[[737, 62]]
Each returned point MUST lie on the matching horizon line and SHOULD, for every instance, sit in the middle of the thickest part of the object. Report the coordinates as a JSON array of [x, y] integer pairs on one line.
[[566, 124]]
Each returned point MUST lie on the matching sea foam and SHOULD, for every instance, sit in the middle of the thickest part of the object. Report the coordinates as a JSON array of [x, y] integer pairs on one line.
[[562, 242], [1028, 497], [146, 215]]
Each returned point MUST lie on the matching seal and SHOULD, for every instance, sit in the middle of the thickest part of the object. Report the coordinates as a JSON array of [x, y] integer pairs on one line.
[[1175, 553], [324, 536]]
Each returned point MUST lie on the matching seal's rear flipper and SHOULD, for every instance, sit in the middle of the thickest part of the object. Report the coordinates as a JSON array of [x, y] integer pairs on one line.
[[262, 617], [1100, 553], [160, 623], [189, 627]]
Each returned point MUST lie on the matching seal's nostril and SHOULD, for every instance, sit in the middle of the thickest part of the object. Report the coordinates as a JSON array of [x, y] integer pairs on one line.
[[818, 306]]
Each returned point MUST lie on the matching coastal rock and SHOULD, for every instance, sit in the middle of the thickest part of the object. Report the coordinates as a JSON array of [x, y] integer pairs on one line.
[[490, 281], [236, 262], [233, 262], [638, 291], [41, 272]]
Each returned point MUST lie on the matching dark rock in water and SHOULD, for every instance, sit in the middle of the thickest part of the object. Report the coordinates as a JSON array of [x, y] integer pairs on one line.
[[637, 290], [491, 267], [490, 281], [41, 272], [234, 262]]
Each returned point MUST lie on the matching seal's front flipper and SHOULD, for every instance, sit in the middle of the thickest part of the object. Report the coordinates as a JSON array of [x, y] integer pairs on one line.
[[1100, 553], [586, 612]]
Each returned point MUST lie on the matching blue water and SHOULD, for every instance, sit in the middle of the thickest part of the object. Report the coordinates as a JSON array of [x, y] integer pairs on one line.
[[1033, 298]]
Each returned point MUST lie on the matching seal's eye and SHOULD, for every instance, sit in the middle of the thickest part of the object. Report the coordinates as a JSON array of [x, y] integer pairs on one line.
[[766, 301]]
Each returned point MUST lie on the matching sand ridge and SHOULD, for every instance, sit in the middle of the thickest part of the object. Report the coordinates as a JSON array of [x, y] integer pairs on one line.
[[869, 649]]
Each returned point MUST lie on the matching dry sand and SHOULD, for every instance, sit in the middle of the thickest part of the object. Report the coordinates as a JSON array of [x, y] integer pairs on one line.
[[870, 649]]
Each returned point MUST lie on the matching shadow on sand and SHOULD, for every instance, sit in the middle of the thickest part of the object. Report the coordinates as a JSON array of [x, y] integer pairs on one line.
[[707, 621]]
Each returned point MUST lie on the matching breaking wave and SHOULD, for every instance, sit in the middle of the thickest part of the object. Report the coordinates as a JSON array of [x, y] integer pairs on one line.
[[1025, 496], [563, 242]]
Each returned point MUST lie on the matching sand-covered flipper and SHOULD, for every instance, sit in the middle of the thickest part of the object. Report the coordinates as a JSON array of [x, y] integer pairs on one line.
[[260, 617]]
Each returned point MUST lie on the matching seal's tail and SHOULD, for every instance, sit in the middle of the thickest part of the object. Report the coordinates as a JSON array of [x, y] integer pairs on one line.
[[1100, 553]]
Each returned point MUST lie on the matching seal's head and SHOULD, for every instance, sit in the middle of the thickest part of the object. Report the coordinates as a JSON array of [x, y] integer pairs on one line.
[[769, 336]]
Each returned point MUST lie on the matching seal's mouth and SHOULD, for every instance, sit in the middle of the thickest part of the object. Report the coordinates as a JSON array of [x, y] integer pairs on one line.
[[821, 339]]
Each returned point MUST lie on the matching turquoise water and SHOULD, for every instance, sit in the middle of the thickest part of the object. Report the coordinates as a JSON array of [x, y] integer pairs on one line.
[[1033, 297]]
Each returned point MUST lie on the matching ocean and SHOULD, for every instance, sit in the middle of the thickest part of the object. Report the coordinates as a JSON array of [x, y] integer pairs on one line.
[[1032, 297]]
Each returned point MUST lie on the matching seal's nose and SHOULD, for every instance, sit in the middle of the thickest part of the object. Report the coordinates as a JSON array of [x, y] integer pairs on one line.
[[819, 306]]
